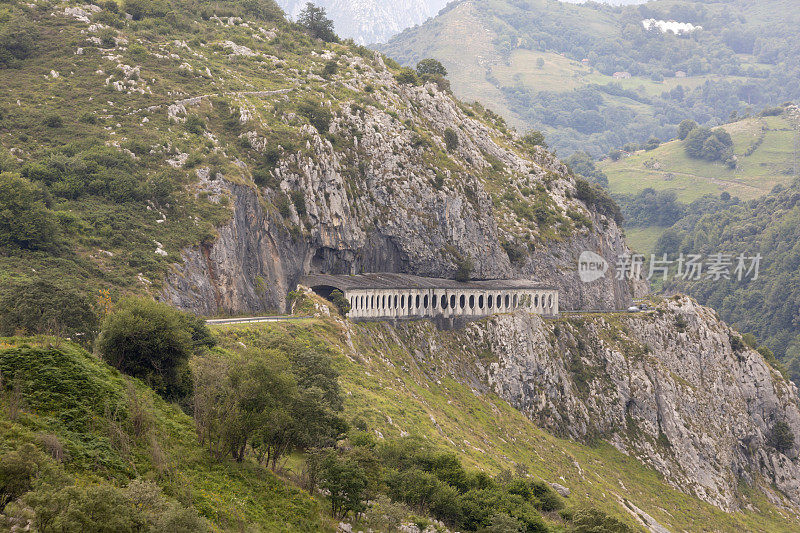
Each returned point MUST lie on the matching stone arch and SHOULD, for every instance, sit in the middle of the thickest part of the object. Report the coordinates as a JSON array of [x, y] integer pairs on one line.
[[452, 301], [490, 301], [417, 302], [550, 301], [536, 301], [480, 301], [508, 301], [434, 301], [403, 302], [444, 302], [515, 301], [462, 302], [472, 301], [425, 301]]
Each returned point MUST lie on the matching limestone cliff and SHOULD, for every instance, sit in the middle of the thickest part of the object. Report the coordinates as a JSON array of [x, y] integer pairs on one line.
[[674, 388], [379, 189]]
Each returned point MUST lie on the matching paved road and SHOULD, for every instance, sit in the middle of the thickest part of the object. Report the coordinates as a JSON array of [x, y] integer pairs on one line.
[[251, 319]]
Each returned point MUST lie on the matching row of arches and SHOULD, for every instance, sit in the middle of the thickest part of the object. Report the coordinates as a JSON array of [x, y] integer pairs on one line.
[[380, 303]]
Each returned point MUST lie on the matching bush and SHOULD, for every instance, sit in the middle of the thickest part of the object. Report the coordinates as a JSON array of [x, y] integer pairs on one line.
[[18, 469], [318, 116], [39, 307], [597, 198], [330, 68], [451, 139], [342, 304], [25, 218], [407, 76], [151, 341], [194, 124], [782, 437], [431, 67], [686, 127], [18, 40], [53, 121], [594, 520], [464, 267], [534, 138]]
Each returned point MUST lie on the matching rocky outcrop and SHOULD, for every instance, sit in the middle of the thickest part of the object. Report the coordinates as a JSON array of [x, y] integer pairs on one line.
[[675, 388], [380, 190]]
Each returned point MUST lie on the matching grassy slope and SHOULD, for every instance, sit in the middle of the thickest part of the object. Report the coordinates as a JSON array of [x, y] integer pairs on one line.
[[771, 164], [87, 405], [397, 394]]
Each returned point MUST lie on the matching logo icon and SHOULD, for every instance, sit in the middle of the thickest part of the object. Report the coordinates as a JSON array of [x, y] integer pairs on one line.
[[591, 267]]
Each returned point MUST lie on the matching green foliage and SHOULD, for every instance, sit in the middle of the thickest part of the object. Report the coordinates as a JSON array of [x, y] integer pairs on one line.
[[407, 76], [685, 128], [651, 208], [534, 138], [346, 483], [331, 67], [341, 303], [319, 116], [464, 268], [432, 67], [18, 469], [53, 121], [594, 521], [18, 40], [598, 199], [39, 307], [516, 252], [267, 10], [314, 19], [702, 143], [782, 438], [140, 9], [150, 341], [194, 124], [451, 139], [25, 218], [582, 164]]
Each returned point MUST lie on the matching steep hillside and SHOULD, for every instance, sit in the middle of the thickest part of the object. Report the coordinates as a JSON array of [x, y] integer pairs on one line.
[[594, 77], [370, 21], [213, 160], [97, 430], [684, 403]]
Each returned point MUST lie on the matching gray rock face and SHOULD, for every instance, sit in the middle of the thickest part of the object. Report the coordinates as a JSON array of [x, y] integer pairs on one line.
[[666, 387], [392, 197]]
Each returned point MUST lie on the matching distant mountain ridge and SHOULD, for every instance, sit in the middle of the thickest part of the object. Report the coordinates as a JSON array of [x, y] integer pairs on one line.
[[370, 21]]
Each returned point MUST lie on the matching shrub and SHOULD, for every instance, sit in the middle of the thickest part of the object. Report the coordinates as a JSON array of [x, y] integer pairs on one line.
[[593, 520], [432, 67], [686, 127], [25, 218], [451, 139], [17, 471], [151, 341], [534, 138], [342, 304], [39, 307], [194, 124], [782, 437], [299, 201], [53, 121], [407, 76], [263, 9], [597, 198], [318, 116], [17, 41], [464, 267], [330, 68]]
